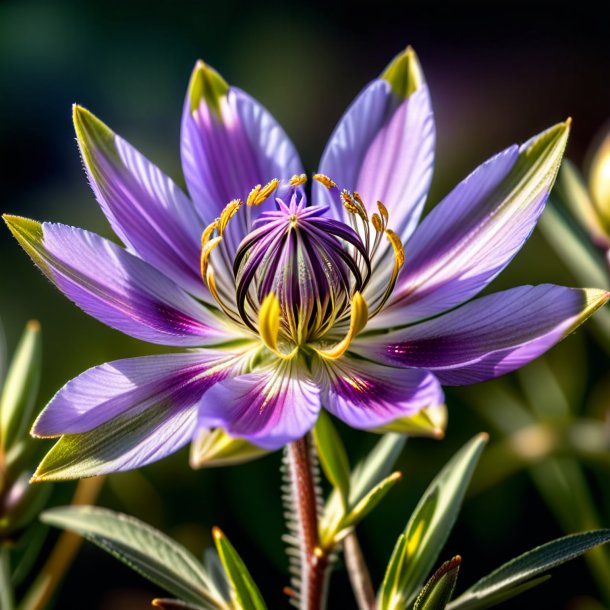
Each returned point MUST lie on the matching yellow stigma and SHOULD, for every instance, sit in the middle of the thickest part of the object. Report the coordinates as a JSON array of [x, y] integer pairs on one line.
[[358, 318], [325, 181], [269, 326], [298, 180]]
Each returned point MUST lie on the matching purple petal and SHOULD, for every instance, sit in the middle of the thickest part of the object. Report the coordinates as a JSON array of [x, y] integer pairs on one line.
[[130, 386], [383, 147], [229, 144], [150, 214], [366, 395], [270, 408], [116, 287], [487, 337], [128, 413], [476, 230]]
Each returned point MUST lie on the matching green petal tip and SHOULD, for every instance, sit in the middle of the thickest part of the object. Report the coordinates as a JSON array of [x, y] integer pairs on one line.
[[404, 73], [206, 85]]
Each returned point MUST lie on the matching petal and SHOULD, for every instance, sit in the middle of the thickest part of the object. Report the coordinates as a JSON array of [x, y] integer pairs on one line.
[[366, 395], [229, 144], [487, 337], [128, 413], [383, 147], [476, 230], [116, 287], [269, 408], [150, 214]]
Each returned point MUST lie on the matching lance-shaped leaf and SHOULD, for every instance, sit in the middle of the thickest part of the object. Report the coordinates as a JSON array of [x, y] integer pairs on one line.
[[216, 448], [439, 589], [333, 457], [21, 387], [428, 529], [527, 570], [247, 595], [369, 473], [143, 548]]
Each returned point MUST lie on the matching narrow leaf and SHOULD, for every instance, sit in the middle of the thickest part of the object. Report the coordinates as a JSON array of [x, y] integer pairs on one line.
[[370, 501], [246, 592], [512, 575], [439, 589], [332, 455], [21, 387], [143, 548], [429, 527]]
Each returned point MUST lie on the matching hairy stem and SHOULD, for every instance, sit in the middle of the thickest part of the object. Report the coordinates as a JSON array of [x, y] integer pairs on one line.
[[63, 552], [314, 560], [7, 601], [358, 573]]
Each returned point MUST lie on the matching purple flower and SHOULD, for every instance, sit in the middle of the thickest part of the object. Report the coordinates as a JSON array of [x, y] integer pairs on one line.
[[343, 301]]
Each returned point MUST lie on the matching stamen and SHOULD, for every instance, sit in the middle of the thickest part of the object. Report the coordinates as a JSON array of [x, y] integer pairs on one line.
[[325, 181], [383, 211], [259, 193], [269, 326], [229, 211], [399, 261], [298, 180], [358, 319], [376, 222]]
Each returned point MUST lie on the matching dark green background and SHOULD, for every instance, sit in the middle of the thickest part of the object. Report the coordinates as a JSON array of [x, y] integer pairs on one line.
[[498, 74]]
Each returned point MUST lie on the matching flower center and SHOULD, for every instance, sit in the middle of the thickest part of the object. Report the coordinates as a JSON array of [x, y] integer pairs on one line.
[[298, 275]]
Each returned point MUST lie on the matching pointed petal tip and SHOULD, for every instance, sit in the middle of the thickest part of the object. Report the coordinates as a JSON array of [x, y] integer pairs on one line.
[[404, 73], [206, 85]]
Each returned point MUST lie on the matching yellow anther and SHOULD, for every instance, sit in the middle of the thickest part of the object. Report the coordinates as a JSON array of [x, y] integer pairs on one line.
[[298, 180], [346, 198], [359, 318], [229, 211], [325, 180], [377, 224], [259, 193], [399, 252], [207, 233], [350, 207], [383, 211]]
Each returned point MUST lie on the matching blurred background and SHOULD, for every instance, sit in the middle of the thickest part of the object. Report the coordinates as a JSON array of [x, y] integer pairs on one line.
[[497, 75]]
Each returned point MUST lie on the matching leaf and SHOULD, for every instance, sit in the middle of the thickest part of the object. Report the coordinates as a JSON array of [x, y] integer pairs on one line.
[[174, 604], [512, 578], [430, 422], [370, 501], [21, 387], [143, 548], [216, 448], [439, 589], [371, 471], [332, 455], [246, 592], [429, 527]]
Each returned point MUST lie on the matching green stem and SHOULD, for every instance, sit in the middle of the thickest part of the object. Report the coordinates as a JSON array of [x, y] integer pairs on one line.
[[7, 600]]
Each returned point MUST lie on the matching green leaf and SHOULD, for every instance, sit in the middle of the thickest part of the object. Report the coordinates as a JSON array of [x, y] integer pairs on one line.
[[439, 589], [371, 471], [370, 501], [216, 448], [143, 548], [332, 455], [174, 604], [21, 387], [511, 578], [246, 592], [429, 527]]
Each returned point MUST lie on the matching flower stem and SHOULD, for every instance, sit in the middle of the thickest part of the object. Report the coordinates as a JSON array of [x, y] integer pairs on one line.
[[358, 573], [314, 560], [7, 601]]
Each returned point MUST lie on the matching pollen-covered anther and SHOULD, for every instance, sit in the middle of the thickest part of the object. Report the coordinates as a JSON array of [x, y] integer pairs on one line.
[[376, 222], [383, 211], [325, 181], [298, 180], [260, 193], [229, 211], [269, 326]]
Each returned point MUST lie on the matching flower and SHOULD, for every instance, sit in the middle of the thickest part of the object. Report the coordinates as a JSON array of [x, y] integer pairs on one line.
[[345, 302]]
